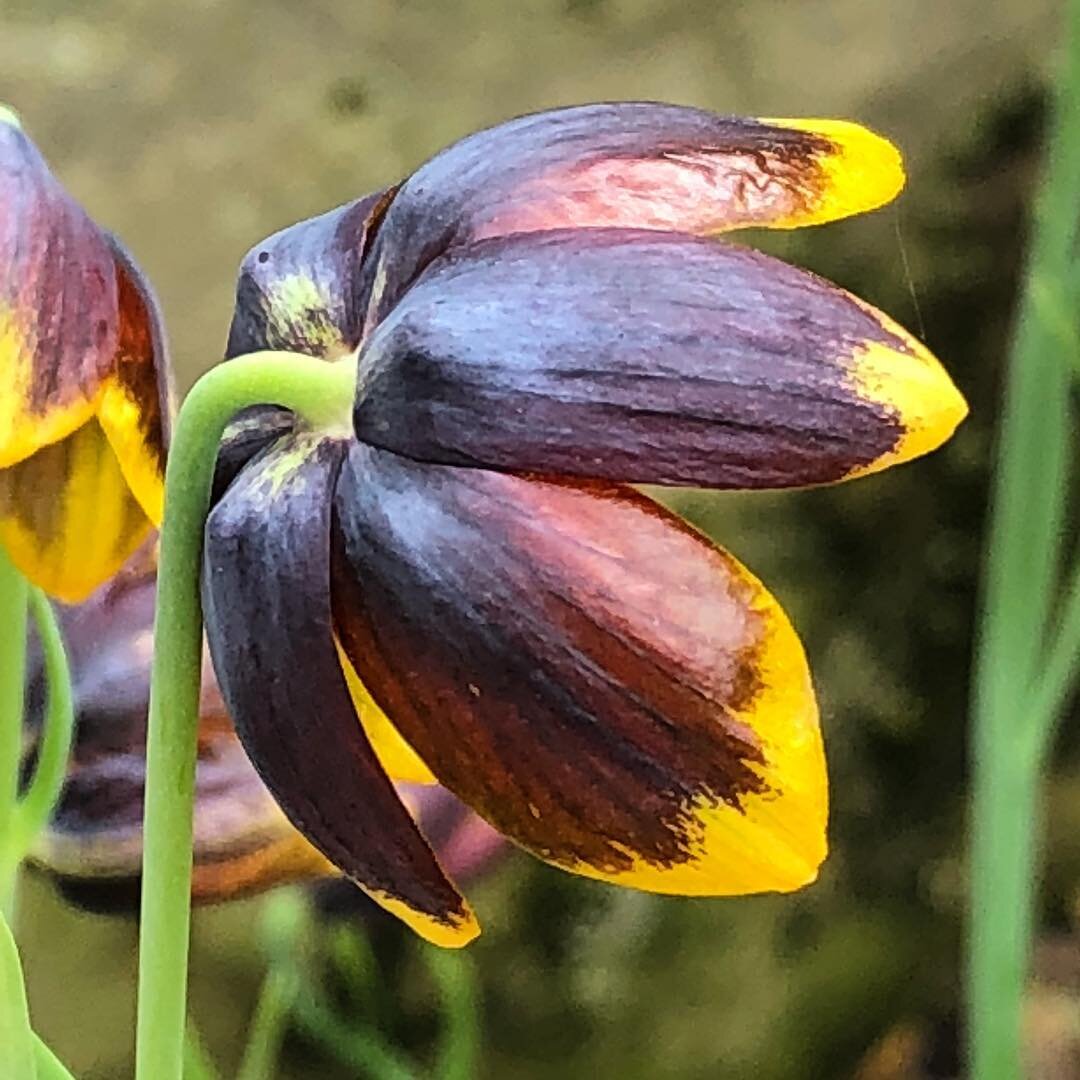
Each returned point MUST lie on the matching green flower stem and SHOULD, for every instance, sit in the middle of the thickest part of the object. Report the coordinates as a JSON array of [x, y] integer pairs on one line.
[[13, 598], [355, 1048], [321, 394], [1058, 676], [455, 975], [1020, 676], [49, 1066], [198, 1065], [269, 1023], [17, 1054], [58, 728]]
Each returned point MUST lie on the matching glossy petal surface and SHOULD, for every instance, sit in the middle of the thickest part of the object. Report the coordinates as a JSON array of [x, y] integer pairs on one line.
[[266, 589], [628, 165], [586, 672], [646, 357]]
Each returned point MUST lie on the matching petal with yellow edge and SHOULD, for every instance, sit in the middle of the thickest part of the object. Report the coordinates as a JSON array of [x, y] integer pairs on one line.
[[585, 671], [136, 406], [646, 357], [58, 326], [627, 165], [67, 516], [398, 759], [269, 627]]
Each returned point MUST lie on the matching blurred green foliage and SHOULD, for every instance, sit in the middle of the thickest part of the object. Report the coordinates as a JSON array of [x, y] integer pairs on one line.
[[195, 131]]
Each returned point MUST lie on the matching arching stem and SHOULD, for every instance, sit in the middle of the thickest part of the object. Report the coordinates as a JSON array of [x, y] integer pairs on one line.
[[319, 393]]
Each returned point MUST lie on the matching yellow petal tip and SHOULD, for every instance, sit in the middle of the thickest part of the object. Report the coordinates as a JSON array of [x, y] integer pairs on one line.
[[453, 933], [916, 391], [859, 170], [10, 117]]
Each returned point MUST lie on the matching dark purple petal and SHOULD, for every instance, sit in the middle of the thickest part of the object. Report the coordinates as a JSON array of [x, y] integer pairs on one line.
[[645, 357], [627, 164], [298, 289], [266, 583]]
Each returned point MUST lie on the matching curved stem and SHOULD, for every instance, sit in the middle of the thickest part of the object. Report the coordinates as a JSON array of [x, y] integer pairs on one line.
[[58, 728], [321, 393], [13, 594]]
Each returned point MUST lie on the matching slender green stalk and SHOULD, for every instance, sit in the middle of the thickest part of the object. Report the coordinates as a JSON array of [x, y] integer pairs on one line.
[[320, 393], [455, 976], [356, 1048], [13, 597], [1058, 675], [198, 1064], [49, 1066], [58, 727], [268, 1024], [1011, 714], [17, 1054]]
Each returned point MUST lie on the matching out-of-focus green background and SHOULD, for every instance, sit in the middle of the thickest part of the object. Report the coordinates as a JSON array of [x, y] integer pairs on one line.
[[194, 130]]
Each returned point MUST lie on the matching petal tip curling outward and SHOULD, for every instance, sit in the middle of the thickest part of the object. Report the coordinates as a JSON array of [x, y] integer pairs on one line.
[[860, 171], [9, 116], [912, 387]]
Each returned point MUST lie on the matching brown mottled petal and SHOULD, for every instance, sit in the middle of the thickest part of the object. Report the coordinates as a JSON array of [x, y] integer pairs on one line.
[[628, 165], [67, 516], [266, 596], [136, 408], [585, 671], [646, 357], [297, 288], [58, 297]]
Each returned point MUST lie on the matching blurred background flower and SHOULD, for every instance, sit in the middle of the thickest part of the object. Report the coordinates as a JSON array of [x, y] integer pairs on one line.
[[194, 133], [243, 843], [85, 393]]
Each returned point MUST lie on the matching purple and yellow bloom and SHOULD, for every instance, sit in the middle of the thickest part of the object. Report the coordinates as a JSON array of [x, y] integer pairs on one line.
[[540, 316], [84, 384], [93, 845]]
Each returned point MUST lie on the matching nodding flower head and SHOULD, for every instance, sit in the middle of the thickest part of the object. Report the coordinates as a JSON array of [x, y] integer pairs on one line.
[[84, 384], [540, 316]]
